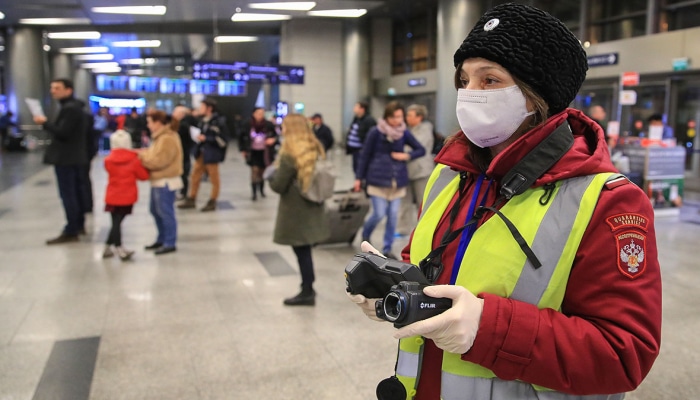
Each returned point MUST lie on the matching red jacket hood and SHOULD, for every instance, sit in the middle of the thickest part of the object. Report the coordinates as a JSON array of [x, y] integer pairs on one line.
[[588, 155], [122, 156]]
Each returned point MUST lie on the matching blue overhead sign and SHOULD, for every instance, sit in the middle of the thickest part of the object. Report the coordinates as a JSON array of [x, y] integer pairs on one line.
[[600, 60]]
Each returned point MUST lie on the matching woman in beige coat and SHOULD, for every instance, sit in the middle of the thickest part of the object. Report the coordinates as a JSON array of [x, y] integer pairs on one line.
[[164, 161]]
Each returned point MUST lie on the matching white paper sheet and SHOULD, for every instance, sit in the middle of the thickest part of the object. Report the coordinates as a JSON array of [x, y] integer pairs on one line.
[[35, 107], [194, 133]]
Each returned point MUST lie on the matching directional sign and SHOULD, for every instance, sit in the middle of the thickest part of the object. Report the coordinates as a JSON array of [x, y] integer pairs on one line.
[[600, 60]]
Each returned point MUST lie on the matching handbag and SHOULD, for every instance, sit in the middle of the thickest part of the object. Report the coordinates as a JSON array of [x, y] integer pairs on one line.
[[322, 182]]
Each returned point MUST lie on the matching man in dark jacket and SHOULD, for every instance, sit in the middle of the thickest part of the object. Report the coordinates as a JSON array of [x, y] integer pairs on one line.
[[322, 132], [355, 139], [187, 120], [209, 151], [68, 156]]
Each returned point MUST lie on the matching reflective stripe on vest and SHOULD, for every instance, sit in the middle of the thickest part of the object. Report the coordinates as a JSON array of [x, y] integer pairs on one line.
[[496, 389], [554, 230]]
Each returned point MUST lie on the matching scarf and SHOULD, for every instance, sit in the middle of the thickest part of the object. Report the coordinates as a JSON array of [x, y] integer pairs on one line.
[[392, 133]]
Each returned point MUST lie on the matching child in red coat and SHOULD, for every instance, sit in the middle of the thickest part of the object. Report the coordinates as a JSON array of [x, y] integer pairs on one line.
[[124, 168]]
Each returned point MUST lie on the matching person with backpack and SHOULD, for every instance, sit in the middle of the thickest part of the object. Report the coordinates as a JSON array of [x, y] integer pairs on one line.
[[209, 152], [67, 153], [382, 168], [300, 223]]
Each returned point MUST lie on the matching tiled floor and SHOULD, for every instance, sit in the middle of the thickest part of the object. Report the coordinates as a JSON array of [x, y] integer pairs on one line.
[[208, 322]]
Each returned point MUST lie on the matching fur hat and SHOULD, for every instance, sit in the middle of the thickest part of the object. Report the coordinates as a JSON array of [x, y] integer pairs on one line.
[[120, 139], [533, 46]]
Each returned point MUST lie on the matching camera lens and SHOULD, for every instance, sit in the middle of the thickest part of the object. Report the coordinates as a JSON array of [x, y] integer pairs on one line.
[[393, 306]]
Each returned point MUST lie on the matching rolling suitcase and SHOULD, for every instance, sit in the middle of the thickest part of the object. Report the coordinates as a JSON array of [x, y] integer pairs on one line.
[[346, 213]]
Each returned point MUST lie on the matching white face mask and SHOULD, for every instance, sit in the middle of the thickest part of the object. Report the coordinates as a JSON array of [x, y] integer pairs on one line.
[[490, 117]]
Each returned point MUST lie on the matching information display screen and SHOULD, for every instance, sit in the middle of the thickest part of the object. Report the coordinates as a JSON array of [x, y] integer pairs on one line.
[[174, 86], [148, 84], [232, 88], [112, 83], [241, 71], [198, 86]]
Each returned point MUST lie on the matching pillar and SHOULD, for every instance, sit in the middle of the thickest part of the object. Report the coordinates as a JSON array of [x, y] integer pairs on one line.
[[455, 19], [26, 72]]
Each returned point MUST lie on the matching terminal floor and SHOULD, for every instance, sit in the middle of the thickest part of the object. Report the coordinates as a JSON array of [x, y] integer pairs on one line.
[[207, 322]]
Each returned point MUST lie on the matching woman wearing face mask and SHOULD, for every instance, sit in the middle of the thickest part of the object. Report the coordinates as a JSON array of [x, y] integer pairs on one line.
[[548, 256]]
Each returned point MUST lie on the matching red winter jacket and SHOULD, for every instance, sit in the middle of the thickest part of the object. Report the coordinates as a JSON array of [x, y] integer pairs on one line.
[[607, 335], [124, 169]]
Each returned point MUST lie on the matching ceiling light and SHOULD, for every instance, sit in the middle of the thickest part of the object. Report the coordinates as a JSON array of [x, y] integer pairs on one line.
[[47, 47], [83, 50], [132, 61], [99, 65], [2, 15], [95, 57], [54, 21], [136, 71], [107, 70], [235, 39], [140, 10], [248, 17], [74, 35], [292, 5], [137, 43], [179, 68], [350, 13]]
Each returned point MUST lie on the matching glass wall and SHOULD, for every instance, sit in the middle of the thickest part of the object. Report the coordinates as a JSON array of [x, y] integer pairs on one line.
[[612, 20], [415, 43], [679, 14], [687, 113]]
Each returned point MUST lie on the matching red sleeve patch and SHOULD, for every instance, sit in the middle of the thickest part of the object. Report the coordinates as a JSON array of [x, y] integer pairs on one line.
[[631, 248], [627, 221]]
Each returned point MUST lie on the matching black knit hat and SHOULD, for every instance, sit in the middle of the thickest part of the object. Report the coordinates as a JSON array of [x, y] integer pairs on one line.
[[533, 46]]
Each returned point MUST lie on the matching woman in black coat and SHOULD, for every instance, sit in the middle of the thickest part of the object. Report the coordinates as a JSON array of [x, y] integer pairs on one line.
[[257, 145]]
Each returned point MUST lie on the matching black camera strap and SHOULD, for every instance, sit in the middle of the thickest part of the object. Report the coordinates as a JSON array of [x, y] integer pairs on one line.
[[517, 180]]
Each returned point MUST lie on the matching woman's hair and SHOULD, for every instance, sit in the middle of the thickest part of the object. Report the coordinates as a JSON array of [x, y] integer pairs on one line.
[[300, 142], [481, 157], [391, 108], [163, 118]]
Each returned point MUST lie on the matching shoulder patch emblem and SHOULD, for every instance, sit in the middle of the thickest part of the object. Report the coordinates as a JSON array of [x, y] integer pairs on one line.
[[631, 248], [627, 221]]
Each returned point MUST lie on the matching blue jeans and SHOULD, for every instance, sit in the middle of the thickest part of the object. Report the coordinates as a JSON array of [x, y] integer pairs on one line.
[[70, 181], [163, 211], [380, 208]]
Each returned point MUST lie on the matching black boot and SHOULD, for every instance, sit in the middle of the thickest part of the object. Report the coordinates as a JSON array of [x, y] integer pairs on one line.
[[254, 186], [307, 297], [262, 187]]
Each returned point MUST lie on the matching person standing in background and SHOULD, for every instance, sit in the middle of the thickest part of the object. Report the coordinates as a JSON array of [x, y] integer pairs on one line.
[[164, 161], [186, 120], [322, 131], [257, 146], [5, 123], [361, 124], [598, 114], [419, 169], [300, 223], [209, 152], [67, 153], [382, 167]]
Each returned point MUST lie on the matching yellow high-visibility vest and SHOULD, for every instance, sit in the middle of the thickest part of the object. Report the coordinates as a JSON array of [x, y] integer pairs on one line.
[[494, 263]]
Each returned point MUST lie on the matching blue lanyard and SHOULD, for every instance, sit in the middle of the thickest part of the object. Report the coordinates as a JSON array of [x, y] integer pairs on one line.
[[468, 232]]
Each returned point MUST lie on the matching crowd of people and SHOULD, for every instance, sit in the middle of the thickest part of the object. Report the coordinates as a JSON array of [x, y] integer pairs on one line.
[[547, 254]]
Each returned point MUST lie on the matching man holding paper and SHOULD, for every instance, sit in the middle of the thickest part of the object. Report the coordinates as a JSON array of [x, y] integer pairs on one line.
[[68, 156], [211, 138]]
